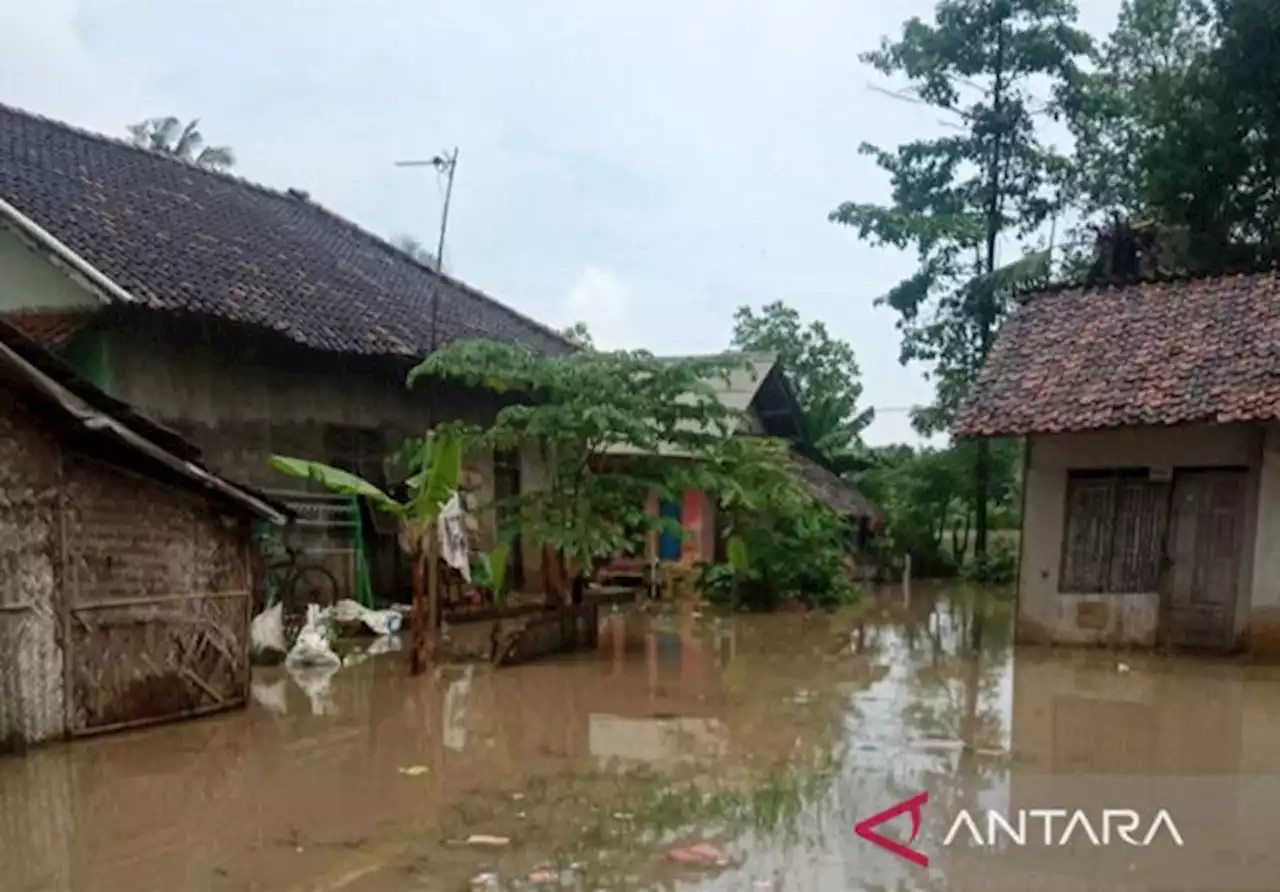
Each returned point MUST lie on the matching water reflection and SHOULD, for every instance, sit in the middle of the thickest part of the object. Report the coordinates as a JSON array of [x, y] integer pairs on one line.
[[763, 738]]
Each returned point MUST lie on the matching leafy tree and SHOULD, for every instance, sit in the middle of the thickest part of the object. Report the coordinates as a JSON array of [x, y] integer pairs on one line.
[[954, 196], [825, 373], [415, 249], [580, 335], [615, 428], [1177, 136], [169, 136]]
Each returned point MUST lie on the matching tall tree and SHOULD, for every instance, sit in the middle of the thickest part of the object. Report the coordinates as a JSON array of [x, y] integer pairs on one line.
[[415, 249], [169, 136], [824, 371], [956, 195]]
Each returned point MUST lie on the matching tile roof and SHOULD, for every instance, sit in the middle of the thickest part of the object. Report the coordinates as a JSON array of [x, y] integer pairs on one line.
[[1157, 353], [179, 238], [48, 328]]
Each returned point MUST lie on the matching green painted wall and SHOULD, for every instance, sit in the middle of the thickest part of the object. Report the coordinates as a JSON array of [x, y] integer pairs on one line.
[[28, 279], [89, 353]]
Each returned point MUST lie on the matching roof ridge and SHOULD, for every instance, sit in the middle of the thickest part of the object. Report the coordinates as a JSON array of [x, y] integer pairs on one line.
[[286, 195], [1109, 285]]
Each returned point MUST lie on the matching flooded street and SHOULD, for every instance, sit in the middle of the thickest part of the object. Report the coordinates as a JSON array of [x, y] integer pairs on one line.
[[766, 739]]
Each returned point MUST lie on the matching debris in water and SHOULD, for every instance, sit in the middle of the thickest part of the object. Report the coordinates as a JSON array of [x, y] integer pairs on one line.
[[1122, 668], [484, 881], [702, 854], [414, 770], [622, 816], [543, 874], [484, 839]]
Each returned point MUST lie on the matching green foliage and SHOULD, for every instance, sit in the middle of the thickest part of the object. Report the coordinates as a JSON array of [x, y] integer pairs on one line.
[[579, 334], [999, 566], [1177, 131], [489, 572], [169, 136], [436, 470], [824, 371], [616, 427], [928, 499], [953, 195]]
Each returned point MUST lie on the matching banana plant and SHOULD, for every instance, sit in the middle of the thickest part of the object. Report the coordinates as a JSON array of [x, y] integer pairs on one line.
[[493, 570], [436, 471]]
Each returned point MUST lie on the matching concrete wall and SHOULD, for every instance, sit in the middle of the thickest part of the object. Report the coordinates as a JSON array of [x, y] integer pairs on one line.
[[1263, 629], [1044, 614]]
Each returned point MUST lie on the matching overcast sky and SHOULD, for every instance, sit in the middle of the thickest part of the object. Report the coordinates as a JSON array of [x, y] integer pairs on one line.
[[645, 167]]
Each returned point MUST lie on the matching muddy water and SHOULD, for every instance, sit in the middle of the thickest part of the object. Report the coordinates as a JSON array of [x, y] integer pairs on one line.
[[766, 738]]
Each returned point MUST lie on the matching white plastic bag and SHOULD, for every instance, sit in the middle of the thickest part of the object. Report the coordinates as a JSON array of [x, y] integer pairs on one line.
[[311, 648], [266, 631]]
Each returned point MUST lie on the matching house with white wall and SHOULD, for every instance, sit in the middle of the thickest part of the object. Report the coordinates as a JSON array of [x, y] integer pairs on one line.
[[1151, 502]]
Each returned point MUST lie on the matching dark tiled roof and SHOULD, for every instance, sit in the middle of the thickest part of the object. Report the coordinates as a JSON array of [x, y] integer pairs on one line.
[[179, 238], [48, 328], [1159, 353]]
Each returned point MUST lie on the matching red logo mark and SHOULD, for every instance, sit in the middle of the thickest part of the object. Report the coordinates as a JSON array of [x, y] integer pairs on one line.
[[913, 805]]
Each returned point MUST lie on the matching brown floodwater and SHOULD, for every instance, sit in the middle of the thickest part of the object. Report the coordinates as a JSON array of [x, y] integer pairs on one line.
[[764, 738]]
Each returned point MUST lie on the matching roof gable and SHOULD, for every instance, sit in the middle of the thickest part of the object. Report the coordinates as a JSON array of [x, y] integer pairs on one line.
[[1157, 353], [182, 239]]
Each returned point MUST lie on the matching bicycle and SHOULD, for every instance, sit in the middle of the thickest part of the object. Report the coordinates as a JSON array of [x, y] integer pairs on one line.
[[296, 584]]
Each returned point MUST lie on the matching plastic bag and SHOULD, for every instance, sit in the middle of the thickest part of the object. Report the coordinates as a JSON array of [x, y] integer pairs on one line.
[[311, 648], [266, 631]]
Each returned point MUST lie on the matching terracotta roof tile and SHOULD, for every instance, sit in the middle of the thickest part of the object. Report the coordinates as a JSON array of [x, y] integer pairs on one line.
[[48, 328], [1160, 353], [180, 238]]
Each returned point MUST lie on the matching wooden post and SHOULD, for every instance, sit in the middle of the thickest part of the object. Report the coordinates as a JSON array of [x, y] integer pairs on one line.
[[433, 597], [419, 617]]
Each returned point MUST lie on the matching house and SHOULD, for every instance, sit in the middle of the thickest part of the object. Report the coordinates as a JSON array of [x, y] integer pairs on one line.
[[1151, 503], [762, 393], [253, 321], [124, 562]]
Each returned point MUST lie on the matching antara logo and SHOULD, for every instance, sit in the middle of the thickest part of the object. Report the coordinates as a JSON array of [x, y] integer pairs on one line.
[[915, 804], [996, 830]]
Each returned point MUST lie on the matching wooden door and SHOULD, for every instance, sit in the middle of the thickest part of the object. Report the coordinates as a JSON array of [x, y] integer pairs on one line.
[[1206, 532]]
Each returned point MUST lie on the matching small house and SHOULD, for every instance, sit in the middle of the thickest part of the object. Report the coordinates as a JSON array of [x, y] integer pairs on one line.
[[1151, 502], [765, 397], [252, 321], [124, 562]]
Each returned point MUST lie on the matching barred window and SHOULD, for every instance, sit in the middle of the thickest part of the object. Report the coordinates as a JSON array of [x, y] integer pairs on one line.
[[1113, 540]]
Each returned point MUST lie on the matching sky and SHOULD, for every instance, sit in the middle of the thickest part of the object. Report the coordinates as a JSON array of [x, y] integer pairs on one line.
[[644, 167]]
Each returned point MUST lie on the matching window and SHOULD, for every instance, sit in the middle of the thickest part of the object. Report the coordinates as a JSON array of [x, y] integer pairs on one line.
[[1113, 540]]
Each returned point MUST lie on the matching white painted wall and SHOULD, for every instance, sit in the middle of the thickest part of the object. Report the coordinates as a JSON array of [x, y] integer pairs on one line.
[[1046, 615], [28, 279]]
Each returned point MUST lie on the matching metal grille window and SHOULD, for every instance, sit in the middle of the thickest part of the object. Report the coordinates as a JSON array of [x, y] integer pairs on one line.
[[1113, 540]]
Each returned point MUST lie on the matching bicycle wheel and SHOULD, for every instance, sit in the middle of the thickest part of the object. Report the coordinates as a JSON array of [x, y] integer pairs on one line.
[[312, 585]]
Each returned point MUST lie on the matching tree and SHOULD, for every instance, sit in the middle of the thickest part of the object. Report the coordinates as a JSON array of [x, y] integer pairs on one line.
[[825, 373], [1177, 135], [614, 429], [415, 249], [955, 196], [169, 136], [435, 470], [580, 335]]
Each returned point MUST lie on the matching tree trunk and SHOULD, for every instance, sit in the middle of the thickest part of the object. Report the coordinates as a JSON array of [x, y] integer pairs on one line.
[[986, 298]]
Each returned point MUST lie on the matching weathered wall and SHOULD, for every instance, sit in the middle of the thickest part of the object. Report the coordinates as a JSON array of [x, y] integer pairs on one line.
[[159, 587], [31, 689], [244, 397], [28, 279], [1046, 615], [1263, 620]]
